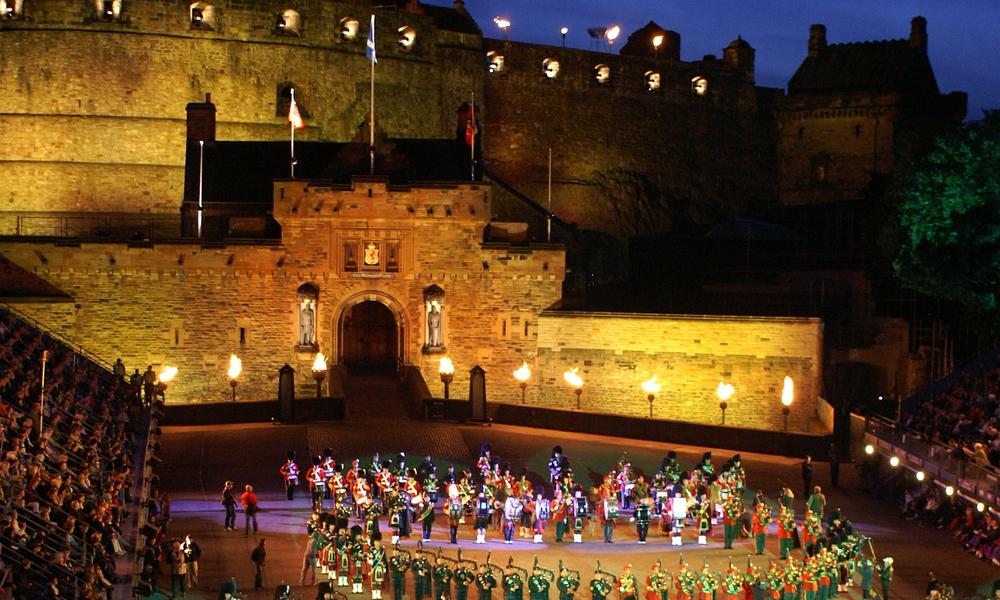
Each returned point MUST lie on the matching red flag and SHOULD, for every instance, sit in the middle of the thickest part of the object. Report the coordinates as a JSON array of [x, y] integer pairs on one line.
[[470, 127], [294, 117]]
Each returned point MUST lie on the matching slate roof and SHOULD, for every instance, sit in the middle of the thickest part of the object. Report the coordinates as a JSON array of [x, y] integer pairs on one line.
[[450, 19], [243, 172], [879, 66]]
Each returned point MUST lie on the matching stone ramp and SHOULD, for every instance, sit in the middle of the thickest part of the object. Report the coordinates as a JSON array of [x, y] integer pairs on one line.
[[375, 394], [360, 439]]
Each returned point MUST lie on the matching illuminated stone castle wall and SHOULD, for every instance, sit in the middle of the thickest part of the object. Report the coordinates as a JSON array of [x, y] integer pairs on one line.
[[93, 116], [690, 355]]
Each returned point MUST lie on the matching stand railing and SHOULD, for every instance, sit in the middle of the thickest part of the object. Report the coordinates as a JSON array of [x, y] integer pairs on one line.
[[91, 356]]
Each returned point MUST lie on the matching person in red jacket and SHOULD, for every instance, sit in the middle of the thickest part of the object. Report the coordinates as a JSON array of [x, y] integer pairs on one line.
[[250, 508]]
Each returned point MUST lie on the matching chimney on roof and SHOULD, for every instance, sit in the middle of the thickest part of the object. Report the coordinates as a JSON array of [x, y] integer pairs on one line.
[[817, 39], [918, 34], [201, 120], [460, 7]]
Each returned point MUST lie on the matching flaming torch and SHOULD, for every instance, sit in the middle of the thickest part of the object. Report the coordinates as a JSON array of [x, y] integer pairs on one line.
[[319, 373], [235, 368], [576, 382], [724, 392], [522, 375], [652, 388], [787, 396], [166, 375], [447, 371]]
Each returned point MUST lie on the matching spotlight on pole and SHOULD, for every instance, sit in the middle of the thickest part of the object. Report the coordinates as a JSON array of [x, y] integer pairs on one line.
[[652, 388], [612, 33], [724, 392], [563, 33], [503, 24]]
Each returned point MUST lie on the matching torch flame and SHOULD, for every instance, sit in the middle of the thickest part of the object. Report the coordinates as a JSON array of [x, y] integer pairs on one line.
[[320, 363], [657, 41], [788, 391], [572, 378], [612, 33], [523, 374], [724, 391], [167, 374], [501, 22], [650, 386], [235, 366], [446, 367]]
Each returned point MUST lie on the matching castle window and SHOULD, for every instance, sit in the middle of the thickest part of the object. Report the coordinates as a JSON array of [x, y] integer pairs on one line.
[[348, 31], [699, 85], [108, 10], [602, 74], [351, 256], [11, 9], [203, 16], [652, 79], [407, 38], [288, 22], [550, 67], [495, 61], [392, 256]]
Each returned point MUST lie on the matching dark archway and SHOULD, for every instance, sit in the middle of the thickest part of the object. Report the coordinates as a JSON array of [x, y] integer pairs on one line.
[[369, 336]]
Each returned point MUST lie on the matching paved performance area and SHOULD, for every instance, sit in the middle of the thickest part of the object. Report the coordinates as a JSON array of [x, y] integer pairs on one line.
[[198, 460]]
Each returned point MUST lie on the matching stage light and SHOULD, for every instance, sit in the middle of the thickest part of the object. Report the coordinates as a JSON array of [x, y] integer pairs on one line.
[[869, 449], [949, 491], [894, 461], [980, 507], [920, 475], [652, 388]]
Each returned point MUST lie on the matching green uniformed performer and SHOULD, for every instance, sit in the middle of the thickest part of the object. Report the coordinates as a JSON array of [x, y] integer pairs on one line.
[[761, 519], [442, 579], [568, 582], [464, 576], [866, 571], [513, 584], [359, 558], [426, 517], [657, 585], [486, 582], [343, 557], [885, 575], [732, 512], [641, 518], [538, 585], [372, 511], [399, 564], [377, 564], [600, 587], [421, 568]]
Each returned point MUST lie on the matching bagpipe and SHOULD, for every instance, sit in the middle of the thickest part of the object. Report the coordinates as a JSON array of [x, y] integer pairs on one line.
[[521, 570], [574, 576], [598, 571], [468, 561], [439, 556], [407, 556], [548, 573], [492, 567]]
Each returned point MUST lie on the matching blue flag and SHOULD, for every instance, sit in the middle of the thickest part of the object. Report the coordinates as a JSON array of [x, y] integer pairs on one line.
[[370, 50]]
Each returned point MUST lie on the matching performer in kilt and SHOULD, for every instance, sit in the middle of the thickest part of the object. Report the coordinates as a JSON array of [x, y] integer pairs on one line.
[[442, 579], [399, 564], [486, 582], [627, 586], [421, 568], [568, 583], [377, 565], [483, 508], [641, 518], [464, 577], [541, 513]]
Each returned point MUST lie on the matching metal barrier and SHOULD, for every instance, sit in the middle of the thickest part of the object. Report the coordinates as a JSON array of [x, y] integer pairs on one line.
[[935, 459], [109, 226]]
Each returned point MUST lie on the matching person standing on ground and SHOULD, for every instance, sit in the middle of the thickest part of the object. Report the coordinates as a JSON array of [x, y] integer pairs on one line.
[[230, 502], [250, 508], [817, 502], [135, 385], [148, 381], [258, 556], [192, 552], [178, 568], [807, 476]]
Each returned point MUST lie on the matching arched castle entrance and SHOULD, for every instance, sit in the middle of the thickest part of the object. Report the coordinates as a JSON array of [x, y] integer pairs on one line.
[[370, 331]]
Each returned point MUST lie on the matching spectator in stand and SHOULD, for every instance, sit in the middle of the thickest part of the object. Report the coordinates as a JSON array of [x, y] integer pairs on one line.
[[250, 508], [119, 369], [135, 385], [148, 384]]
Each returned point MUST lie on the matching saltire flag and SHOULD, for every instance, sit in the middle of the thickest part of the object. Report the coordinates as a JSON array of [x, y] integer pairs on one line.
[[370, 47], [470, 127], [294, 116]]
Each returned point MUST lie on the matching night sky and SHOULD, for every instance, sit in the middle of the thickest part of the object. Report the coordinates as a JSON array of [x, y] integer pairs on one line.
[[963, 39]]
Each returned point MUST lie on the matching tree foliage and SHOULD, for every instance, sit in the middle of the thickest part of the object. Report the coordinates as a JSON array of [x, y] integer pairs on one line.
[[949, 217]]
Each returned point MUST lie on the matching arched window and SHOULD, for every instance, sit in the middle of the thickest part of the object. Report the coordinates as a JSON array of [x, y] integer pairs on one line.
[[307, 301], [652, 79], [495, 61], [288, 22], [602, 74], [407, 37], [550, 68], [283, 100], [108, 10], [11, 9], [203, 16], [348, 29], [699, 85]]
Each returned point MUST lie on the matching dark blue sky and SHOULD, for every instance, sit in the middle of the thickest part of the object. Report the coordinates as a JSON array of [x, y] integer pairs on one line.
[[963, 39]]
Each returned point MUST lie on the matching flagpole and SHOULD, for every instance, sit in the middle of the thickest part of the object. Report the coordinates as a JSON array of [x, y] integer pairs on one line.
[[548, 218], [371, 118], [201, 178], [291, 156], [472, 156]]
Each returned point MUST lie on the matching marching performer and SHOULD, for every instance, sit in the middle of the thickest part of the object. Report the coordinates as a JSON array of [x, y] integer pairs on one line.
[[329, 470], [541, 516], [455, 510], [560, 514], [609, 512], [359, 562], [657, 587], [761, 519], [732, 512], [579, 516], [512, 509], [483, 510], [567, 583], [464, 576], [641, 518], [538, 585], [486, 582], [377, 566], [421, 575], [786, 530], [442, 579], [317, 483], [627, 584], [678, 513], [426, 517], [290, 473], [399, 564]]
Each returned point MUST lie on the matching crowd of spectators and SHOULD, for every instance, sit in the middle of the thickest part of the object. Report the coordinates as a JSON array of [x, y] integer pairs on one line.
[[65, 468], [964, 416]]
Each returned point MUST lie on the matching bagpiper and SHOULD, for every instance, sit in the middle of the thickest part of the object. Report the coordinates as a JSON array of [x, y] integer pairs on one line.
[[866, 571], [359, 562], [486, 582], [627, 587], [377, 566], [732, 512], [685, 582], [442, 579], [421, 568], [609, 513], [399, 564], [704, 519], [538, 585], [483, 510], [600, 587], [567, 583], [708, 583], [657, 587], [761, 519], [513, 584], [290, 473], [732, 584], [786, 530], [343, 557], [464, 576]]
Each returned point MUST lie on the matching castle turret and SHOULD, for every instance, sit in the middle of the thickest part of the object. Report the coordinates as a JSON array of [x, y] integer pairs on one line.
[[740, 56], [817, 39], [918, 34]]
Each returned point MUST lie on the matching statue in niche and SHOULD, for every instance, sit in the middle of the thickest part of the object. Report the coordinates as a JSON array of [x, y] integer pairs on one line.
[[434, 313], [307, 322]]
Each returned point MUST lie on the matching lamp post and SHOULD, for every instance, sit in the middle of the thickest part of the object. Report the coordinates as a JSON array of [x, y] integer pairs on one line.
[[612, 33], [319, 373], [787, 397], [657, 42], [652, 388], [503, 24], [563, 33], [522, 375], [166, 376], [576, 382], [724, 392], [235, 368], [447, 371]]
